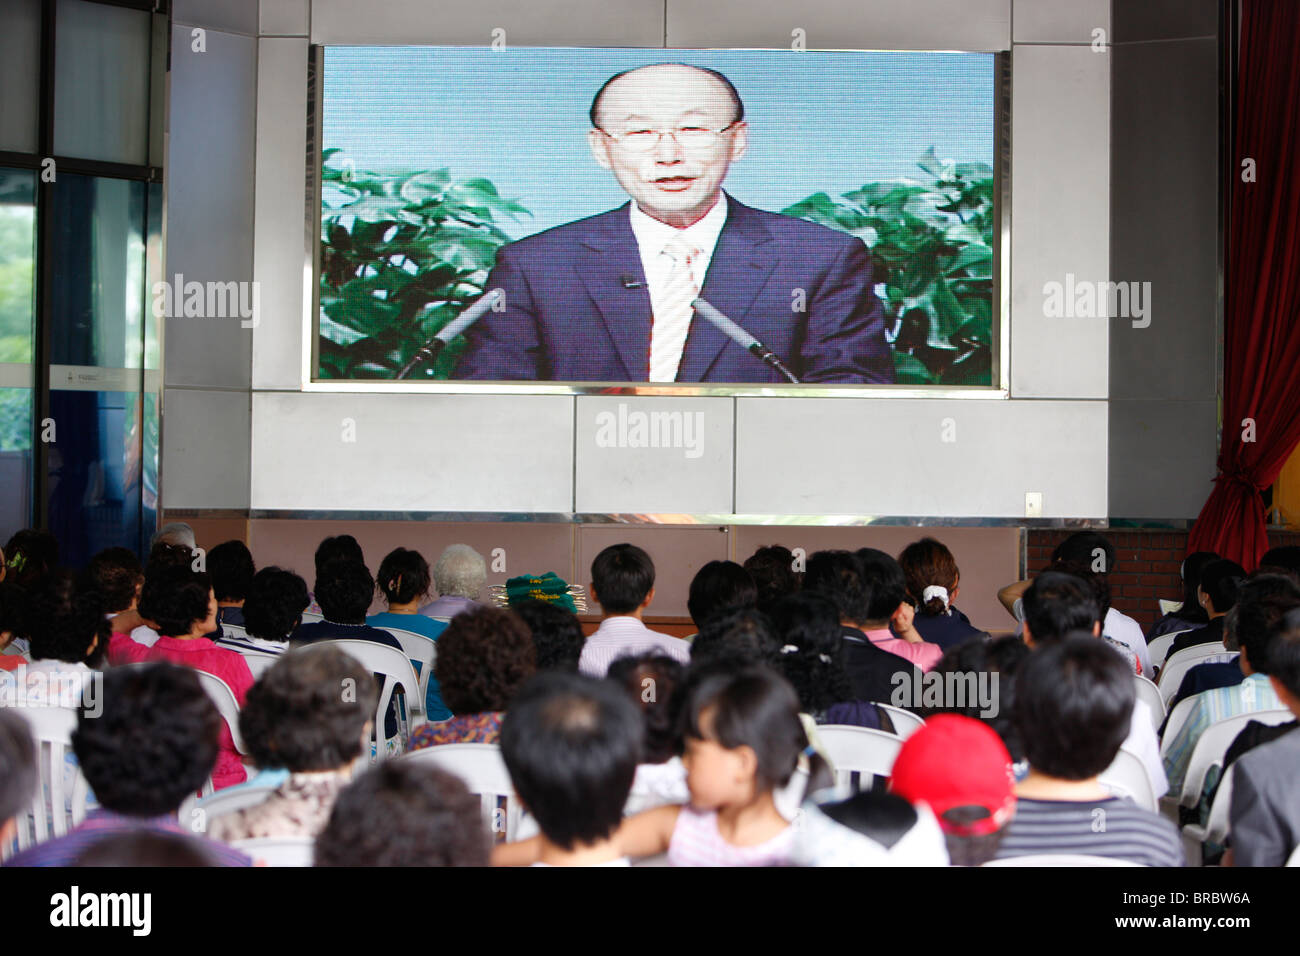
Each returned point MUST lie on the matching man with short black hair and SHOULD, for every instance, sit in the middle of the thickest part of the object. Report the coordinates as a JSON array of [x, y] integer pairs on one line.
[[1074, 708], [623, 584], [231, 566]]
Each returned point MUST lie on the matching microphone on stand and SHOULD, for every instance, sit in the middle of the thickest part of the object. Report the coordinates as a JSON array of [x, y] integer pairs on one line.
[[743, 338], [433, 348]]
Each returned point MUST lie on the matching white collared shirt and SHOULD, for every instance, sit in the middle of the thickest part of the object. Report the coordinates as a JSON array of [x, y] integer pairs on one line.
[[622, 634]]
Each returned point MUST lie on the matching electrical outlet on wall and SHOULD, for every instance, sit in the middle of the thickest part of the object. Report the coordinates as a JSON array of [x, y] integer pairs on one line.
[[1033, 504]]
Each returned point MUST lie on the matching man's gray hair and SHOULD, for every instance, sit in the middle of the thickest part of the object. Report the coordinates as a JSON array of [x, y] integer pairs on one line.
[[178, 532], [460, 572]]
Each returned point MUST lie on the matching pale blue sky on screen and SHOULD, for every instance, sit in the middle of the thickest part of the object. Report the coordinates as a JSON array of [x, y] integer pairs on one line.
[[819, 121]]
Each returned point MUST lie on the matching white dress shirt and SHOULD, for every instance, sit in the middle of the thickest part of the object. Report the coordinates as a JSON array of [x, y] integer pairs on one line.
[[621, 635], [652, 235]]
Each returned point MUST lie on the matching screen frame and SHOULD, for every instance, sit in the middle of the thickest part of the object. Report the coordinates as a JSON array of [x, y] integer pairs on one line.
[[999, 389]]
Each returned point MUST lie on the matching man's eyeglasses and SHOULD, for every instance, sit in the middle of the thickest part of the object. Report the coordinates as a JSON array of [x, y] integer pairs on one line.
[[689, 138]]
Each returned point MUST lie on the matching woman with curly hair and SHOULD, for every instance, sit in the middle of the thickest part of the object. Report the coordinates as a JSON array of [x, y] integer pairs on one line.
[[483, 657]]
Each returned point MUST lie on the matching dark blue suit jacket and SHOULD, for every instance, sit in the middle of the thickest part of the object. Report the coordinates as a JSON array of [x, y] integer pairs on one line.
[[570, 317]]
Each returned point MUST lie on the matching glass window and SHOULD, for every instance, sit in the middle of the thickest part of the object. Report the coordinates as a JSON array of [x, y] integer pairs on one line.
[[20, 74], [17, 311]]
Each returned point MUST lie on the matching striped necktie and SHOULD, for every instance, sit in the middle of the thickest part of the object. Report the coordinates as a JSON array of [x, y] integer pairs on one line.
[[671, 303]]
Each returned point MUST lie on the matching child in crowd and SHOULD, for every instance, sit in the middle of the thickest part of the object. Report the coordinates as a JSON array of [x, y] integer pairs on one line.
[[654, 683]]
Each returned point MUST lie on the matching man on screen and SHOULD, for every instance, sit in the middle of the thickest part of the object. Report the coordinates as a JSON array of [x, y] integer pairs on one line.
[[608, 298]]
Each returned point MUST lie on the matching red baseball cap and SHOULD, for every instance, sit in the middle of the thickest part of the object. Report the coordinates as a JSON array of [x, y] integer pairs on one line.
[[956, 761]]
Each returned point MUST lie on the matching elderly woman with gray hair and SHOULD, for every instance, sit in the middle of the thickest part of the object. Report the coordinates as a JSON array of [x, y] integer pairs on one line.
[[459, 577]]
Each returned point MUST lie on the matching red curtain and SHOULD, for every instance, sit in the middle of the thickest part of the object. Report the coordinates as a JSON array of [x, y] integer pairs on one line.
[[1261, 342]]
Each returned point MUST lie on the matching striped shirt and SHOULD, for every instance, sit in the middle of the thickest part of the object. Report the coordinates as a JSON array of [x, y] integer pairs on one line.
[[64, 850], [697, 842], [1115, 827], [621, 635], [1253, 694]]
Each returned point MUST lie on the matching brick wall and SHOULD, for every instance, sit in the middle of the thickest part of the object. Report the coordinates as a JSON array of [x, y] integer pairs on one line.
[[1147, 564]]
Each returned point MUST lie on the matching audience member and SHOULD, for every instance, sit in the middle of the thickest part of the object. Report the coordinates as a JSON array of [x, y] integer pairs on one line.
[[623, 584], [868, 828], [18, 776], [890, 613], [654, 682], [459, 575], [1074, 708], [174, 534], [961, 770], [140, 767], [979, 682], [298, 718], [739, 635], [118, 577], [932, 577], [68, 636], [340, 547], [344, 589], [147, 848], [773, 570], [571, 744], [557, 634], [404, 813], [484, 656], [1217, 593], [231, 566], [1189, 614], [272, 612], [404, 582], [718, 587], [29, 556]]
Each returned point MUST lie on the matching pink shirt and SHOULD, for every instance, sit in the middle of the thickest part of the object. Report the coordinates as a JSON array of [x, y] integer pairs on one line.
[[697, 842], [203, 655], [924, 655]]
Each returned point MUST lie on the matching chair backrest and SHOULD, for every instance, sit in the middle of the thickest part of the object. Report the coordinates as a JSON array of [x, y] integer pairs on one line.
[[1159, 648], [1149, 693], [420, 648], [278, 851], [1177, 666], [257, 661], [1127, 777], [1219, 822], [1061, 859], [905, 722], [197, 813], [484, 773], [858, 750], [59, 804], [1177, 717], [397, 671], [1214, 743], [227, 705]]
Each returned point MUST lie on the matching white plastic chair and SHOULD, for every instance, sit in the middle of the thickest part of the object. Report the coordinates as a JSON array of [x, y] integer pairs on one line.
[[484, 773], [1176, 667], [257, 661], [228, 707], [1149, 693], [278, 851], [1177, 717], [905, 722], [1216, 827], [1213, 744], [1060, 859], [1127, 777], [397, 671], [1159, 648], [858, 750], [52, 729], [420, 648], [197, 814]]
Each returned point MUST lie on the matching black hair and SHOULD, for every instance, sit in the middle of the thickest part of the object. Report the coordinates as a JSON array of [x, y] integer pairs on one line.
[[231, 566], [557, 634], [1285, 556], [772, 569], [403, 576], [13, 609], [484, 656], [1000, 658], [1283, 655], [594, 112], [752, 707], [274, 605], [1056, 603], [338, 548], [1263, 602], [299, 716], [17, 765], [970, 849], [1088, 548], [883, 817], [743, 633], [653, 681], [117, 575], [174, 597], [1098, 582], [1191, 610], [811, 656], [154, 742], [344, 590], [1220, 580], [167, 555], [572, 744], [147, 848], [404, 813], [719, 586], [1074, 707], [65, 619], [30, 554], [839, 577], [885, 583], [622, 575]]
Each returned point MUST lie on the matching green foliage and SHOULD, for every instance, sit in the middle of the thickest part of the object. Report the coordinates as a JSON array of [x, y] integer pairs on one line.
[[932, 242], [15, 419], [401, 255]]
